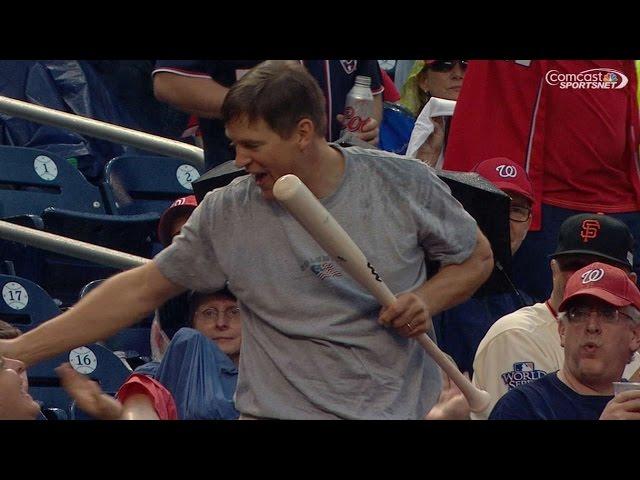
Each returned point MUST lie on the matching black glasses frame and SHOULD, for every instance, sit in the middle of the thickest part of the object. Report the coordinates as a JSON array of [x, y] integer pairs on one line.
[[519, 219]]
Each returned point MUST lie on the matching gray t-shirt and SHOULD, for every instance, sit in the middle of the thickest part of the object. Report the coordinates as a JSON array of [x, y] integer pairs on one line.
[[311, 344]]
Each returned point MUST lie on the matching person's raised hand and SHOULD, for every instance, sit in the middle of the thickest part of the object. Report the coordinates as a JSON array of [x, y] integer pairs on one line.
[[430, 150], [452, 404], [88, 394]]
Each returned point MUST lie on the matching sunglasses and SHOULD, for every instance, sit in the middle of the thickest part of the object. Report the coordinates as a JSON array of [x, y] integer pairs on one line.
[[444, 66]]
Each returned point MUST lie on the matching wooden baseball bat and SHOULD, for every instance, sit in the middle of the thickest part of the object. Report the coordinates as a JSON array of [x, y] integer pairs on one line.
[[309, 212]]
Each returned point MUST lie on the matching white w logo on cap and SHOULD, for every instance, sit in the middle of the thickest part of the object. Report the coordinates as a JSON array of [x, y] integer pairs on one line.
[[592, 275], [507, 171]]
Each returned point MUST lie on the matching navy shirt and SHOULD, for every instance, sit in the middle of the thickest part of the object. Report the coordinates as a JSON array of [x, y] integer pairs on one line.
[[548, 398], [336, 78], [217, 148], [460, 329]]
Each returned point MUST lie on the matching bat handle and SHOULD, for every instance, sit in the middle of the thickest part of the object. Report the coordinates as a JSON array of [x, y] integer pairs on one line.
[[478, 399]]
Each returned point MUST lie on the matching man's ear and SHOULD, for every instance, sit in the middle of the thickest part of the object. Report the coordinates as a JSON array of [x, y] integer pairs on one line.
[[305, 131], [561, 331], [555, 268], [635, 339], [634, 277]]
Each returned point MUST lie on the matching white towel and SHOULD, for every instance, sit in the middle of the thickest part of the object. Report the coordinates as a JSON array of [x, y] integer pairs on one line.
[[435, 107]]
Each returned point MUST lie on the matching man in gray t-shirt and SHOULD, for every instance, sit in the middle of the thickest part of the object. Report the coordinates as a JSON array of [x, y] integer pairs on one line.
[[313, 346]]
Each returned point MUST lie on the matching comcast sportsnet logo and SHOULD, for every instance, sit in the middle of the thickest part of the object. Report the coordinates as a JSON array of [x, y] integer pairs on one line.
[[596, 78]]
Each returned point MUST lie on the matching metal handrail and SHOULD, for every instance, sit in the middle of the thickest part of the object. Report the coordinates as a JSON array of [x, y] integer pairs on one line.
[[69, 246], [103, 130]]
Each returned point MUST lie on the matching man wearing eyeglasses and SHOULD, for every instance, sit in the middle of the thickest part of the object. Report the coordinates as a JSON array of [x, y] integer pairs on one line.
[[195, 380], [460, 329], [599, 327], [524, 345]]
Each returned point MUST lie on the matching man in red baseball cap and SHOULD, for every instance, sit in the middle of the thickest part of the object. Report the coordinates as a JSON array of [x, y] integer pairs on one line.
[[524, 345], [174, 218], [461, 329], [512, 179], [599, 326], [171, 222]]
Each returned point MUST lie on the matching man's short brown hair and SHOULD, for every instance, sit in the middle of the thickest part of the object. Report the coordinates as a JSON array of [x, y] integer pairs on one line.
[[281, 93]]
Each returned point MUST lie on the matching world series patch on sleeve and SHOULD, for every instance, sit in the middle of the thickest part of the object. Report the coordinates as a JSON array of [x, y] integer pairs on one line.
[[523, 372]]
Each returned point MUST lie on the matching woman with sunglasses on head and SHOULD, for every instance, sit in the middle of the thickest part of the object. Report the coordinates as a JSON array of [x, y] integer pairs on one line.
[[432, 78], [440, 80]]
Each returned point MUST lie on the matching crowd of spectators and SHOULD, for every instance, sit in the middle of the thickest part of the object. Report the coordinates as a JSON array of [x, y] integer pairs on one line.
[[238, 275]]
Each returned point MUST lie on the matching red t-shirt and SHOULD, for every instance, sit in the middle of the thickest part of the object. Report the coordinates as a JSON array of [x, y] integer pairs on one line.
[[162, 399], [390, 93], [578, 145]]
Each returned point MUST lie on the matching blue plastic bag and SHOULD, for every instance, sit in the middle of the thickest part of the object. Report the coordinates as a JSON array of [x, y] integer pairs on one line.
[[201, 378]]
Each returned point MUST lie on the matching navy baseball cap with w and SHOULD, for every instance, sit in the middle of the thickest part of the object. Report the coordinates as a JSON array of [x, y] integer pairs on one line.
[[596, 234]]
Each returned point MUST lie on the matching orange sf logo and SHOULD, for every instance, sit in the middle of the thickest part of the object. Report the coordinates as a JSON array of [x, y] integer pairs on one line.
[[590, 229]]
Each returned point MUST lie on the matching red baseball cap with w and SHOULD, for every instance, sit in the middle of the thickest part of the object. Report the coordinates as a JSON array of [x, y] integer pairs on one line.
[[182, 206], [507, 175], [602, 281]]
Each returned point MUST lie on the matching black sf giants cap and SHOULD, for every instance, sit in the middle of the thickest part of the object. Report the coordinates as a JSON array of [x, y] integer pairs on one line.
[[596, 234]]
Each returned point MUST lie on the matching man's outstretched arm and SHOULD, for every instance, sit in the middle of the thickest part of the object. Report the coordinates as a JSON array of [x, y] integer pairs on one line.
[[117, 303]]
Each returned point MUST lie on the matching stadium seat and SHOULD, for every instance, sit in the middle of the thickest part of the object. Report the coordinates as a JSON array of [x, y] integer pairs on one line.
[[96, 361], [64, 277], [22, 257], [38, 183], [144, 184], [32, 180], [25, 304], [127, 233], [133, 341]]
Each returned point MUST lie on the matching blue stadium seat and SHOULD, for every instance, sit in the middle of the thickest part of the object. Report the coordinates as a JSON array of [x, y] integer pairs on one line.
[[96, 361], [63, 276], [128, 233], [133, 341], [23, 257], [35, 179], [25, 304], [32, 181], [143, 184], [39, 183]]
